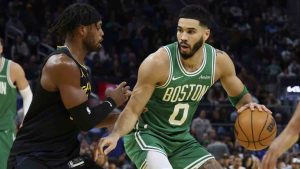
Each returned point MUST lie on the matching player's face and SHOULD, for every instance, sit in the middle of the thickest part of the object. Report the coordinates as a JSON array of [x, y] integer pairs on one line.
[[94, 37], [191, 36]]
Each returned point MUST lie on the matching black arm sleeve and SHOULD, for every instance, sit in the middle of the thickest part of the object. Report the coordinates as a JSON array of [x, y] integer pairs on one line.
[[87, 118]]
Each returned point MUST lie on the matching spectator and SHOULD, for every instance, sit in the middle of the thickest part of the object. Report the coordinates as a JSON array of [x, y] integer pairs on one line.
[[200, 126]]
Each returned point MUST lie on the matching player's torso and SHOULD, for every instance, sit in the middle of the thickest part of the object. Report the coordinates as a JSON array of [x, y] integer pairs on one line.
[[49, 125], [172, 105], [8, 96]]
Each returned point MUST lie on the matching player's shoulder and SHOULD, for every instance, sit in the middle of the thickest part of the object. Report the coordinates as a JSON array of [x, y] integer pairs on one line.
[[157, 58], [15, 67], [221, 54], [60, 61], [222, 58]]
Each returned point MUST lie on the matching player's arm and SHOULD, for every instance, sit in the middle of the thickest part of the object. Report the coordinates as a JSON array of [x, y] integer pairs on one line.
[[146, 82], [109, 121], [235, 89], [62, 74], [18, 78], [284, 141]]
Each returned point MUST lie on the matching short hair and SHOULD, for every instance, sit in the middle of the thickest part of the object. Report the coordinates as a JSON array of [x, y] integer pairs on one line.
[[73, 16], [198, 13]]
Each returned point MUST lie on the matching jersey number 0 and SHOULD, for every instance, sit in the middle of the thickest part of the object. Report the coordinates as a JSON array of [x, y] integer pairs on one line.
[[180, 106]]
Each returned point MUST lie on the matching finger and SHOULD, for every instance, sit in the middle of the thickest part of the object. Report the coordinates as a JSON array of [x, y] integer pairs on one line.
[[121, 85], [269, 161], [96, 154], [266, 109], [126, 88], [108, 149], [242, 109], [259, 107], [264, 161], [128, 93], [101, 145], [252, 106]]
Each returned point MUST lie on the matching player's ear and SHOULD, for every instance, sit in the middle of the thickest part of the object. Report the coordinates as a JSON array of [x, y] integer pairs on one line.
[[82, 30], [206, 34]]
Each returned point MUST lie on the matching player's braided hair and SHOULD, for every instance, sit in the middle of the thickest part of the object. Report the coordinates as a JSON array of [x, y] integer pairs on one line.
[[73, 16], [198, 13]]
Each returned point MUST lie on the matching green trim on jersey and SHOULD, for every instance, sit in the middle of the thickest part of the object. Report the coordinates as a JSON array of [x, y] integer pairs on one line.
[[8, 97]]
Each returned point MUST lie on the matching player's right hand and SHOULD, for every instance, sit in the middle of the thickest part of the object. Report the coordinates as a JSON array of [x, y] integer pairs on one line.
[[107, 144], [270, 158], [120, 94]]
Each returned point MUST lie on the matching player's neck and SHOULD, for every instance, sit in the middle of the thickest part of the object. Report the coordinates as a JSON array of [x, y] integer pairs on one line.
[[77, 51], [193, 63]]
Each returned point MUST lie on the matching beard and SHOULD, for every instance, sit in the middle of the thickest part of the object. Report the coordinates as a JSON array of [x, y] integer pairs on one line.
[[193, 50], [91, 46]]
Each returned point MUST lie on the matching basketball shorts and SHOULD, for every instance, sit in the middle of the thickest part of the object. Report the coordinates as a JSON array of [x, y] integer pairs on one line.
[[186, 154], [6, 140]]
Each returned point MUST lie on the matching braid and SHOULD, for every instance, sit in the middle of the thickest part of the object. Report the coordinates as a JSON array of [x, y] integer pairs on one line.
[[73, 16]]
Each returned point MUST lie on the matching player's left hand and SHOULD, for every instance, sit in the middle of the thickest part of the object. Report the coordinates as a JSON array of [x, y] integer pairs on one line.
[[253, 106]]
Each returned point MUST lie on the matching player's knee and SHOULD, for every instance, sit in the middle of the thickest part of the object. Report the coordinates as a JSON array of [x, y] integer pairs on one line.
[[152, 161]]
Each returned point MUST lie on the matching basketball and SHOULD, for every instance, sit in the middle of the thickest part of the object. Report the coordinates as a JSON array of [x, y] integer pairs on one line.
[[255, 130]]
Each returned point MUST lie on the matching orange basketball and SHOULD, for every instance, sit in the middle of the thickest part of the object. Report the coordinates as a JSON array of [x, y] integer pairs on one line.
[[255, 130]]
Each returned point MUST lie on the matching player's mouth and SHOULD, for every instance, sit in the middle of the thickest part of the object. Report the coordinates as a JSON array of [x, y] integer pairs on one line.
[[184, 47], [100, 43]]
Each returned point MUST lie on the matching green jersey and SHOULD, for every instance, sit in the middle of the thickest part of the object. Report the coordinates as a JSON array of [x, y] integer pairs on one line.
[[172, 106], [8, 97]]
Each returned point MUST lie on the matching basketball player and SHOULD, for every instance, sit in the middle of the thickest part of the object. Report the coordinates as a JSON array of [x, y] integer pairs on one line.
[[171, 82], [59, 110], [283, 142], [12, 77]]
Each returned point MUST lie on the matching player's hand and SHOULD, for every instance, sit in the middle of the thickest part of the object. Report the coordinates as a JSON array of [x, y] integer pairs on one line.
[[120, 94], [253, 106], [107, 144], [100, 159], [270, 158]]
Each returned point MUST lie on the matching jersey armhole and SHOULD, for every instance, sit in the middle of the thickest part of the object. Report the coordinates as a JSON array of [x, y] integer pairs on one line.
[[213, 68], [170, 69], [11, 84]]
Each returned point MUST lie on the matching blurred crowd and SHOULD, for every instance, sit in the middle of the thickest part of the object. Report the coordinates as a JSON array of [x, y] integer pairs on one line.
[[258, 35]]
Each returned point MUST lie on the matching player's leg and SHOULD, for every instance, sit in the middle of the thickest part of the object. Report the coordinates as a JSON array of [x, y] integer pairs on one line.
[[137, 145], [191, 155], [30, 163], [6, 140], [157, 160]]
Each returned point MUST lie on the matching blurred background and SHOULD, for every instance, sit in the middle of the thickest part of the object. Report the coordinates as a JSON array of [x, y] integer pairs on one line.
[[261, 37]]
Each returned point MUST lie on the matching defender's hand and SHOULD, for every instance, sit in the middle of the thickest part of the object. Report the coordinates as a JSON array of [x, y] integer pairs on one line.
[[120, 94]]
